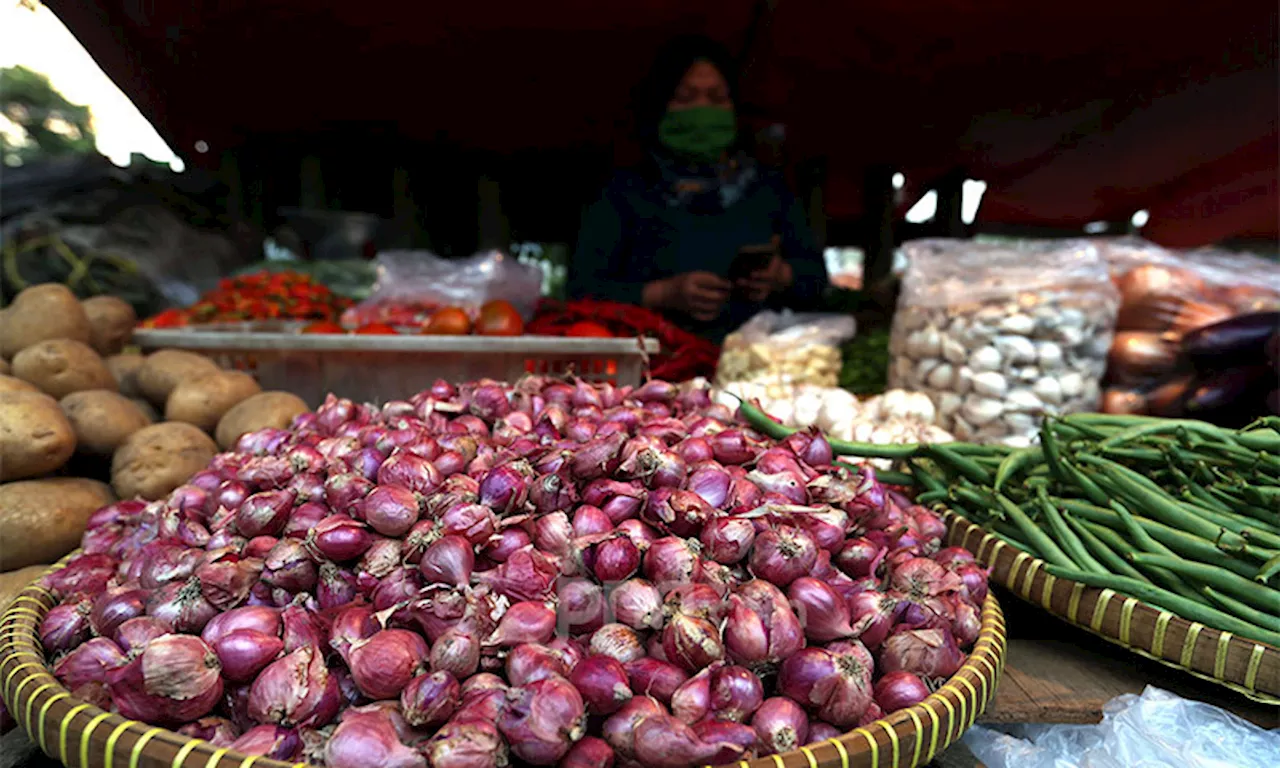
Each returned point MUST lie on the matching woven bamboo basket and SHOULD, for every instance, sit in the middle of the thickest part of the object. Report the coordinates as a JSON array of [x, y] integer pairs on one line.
[[84, 736], [1245, 666]]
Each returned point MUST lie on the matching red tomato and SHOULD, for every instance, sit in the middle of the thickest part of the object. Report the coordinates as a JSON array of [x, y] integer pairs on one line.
[[450, 321], [586, 328], [499, 318], [376, 329], [323, 326]]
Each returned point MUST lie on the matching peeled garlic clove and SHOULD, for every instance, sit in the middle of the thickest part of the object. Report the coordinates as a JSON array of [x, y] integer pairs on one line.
[[1016, 349], [940, 377], [986, 359], [979, 410], [1023, 400], [1048, 389], [990, 384]]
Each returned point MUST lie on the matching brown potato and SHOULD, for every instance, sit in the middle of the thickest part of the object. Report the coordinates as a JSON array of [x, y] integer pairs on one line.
[[102, 419], [157, 459], [111, 322], [46, 311], [203, 401], [164, 370], [268, 409], [10, 384], [13, 582], [125, 369], [42, 520], [62, 366], [35, 436]]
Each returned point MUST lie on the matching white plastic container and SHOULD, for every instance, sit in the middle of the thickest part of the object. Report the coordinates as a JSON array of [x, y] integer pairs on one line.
[[379, 368]]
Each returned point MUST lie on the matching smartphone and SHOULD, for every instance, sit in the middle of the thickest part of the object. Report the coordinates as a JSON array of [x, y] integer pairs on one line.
[[751, 258]]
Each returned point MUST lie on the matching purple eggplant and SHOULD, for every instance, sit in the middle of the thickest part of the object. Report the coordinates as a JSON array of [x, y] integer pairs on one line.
[[1239, 341], [1230, 398]]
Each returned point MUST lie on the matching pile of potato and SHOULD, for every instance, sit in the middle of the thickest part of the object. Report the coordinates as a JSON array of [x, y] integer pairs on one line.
[[77, 410]]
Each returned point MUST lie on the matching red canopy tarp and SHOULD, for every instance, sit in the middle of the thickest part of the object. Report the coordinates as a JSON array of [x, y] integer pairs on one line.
[[1079, 112]]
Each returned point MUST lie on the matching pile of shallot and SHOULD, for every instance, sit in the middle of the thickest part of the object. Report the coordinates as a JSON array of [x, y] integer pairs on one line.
[[556, 573]]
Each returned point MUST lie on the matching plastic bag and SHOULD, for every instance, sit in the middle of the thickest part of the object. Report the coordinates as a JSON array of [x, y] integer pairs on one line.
[[410, 285], [786, 348], [1154, 729], [1001, 335]]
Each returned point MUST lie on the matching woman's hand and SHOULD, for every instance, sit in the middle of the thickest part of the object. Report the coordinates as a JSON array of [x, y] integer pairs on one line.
[[773, 277], [701, 295]]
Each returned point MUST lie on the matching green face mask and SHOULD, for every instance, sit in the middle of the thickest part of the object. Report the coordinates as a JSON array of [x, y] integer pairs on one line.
[[698, 133]]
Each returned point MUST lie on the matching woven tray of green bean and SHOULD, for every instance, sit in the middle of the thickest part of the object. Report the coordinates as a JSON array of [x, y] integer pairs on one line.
[[1179, 519]]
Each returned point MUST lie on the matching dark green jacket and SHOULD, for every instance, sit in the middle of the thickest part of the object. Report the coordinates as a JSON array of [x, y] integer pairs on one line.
[[633, 235]]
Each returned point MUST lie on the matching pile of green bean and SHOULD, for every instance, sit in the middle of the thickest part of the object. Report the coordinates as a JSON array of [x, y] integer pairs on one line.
[[1181, 514]]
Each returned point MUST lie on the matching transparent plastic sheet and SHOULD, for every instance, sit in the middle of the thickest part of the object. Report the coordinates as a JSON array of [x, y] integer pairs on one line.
[[786, 348], [1000, 335], [1157, 728], [422, 282]]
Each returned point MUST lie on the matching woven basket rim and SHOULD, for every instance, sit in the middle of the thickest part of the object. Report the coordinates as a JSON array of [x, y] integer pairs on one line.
[[989, 550], [24, 670]]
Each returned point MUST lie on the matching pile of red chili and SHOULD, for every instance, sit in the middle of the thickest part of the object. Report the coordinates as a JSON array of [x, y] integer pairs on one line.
[[257, 296], [683, 355]]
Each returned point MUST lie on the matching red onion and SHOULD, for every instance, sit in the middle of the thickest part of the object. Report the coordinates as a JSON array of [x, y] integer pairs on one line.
[[569, 649], [553, 533], [836, 683], [449, 560], [174, 680], [597, 458], [352, 624], [411, 471], [115, 606], [974, 580], [429, 700], [504, 489], [489, 402], [617, 641], [289, 567], [823, 614], [344, 492], [383, 664], [381, 559], [694, 451], [526, 575], [390, 510], [542, 720], [692, 642], [662, 741], [91, 662], [501, 545], [339, 538], [306, 516], [870, 715], [736, 693], [259, 546], [336, 587], [640, 533], [671, 560], [133, 635], [603, 683], [226, 581], [782, 554], [181, 606], [164, 563], [467, 742], [552, 492], [456, 651], [761, 629], [691, 702], [482, 704], [65, 626], [531, 661], [369, 738], [615, 558], [637, 604], [218, 731], [899, 690], [302, 627], [930, 653], [872, 616], [582, 606], [931, 527], [654, 677], [83, 573], [580, 430], [588, 752], [953, 557], [712, 483], [619, 730], [726, 732], [649, 461], [257, 618], [781, 725], [296, 690], [727, 540], [244, 653], [264, 514], [732, 446], [524, 622], [810, 447], [270, 741], [787, 485], [230, 495], [617, 499], [474, 522], [589, 520], [859, 557], [695, 600], [820, 731], [965, 622]]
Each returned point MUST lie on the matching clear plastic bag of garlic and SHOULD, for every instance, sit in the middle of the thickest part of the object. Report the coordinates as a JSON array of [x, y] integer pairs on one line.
[[895, 417], [785, 349]]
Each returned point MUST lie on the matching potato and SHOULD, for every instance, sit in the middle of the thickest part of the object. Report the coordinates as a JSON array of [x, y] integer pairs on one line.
[[125, 369], [41, 312], [164, 370], [157, 459], [13, 582], [268, 409], [62, 366], [147, 409], [203, 401], [42, 520], [102, 419], [4, 364], [35, 437], [111, 322], [10, 384]]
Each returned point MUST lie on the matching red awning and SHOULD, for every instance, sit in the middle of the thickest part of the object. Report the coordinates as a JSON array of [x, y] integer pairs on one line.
[[1085, 111]]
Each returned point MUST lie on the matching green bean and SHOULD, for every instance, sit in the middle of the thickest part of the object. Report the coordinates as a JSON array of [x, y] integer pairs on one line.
[[1067, 538], [1044, 547], [1267, 440], [1094, 540], [1016, 462], [926, 479], [1162, 426], [1243, 589], [1160, 506], [1268, 569], [964, 465], [1139, 537], [931, 497], [762, 423], [1249, 614], [890, 477], [1186, 608]]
